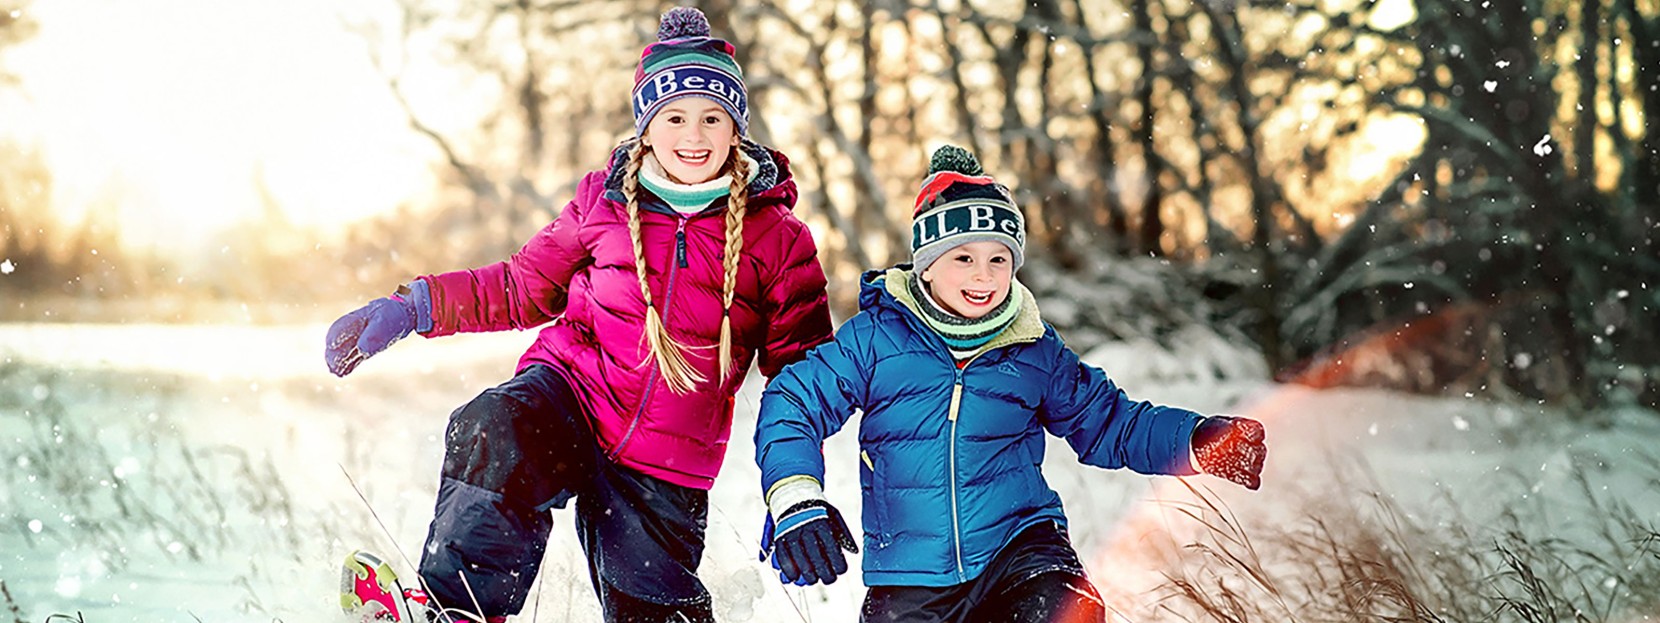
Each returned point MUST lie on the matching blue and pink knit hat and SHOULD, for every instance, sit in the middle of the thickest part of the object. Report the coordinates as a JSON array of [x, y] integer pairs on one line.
[[686, 61]]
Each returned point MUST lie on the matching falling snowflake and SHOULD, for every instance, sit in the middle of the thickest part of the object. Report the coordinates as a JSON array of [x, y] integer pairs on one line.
[[1542, 148], [68, 586], [1490, 85], [1502, 64], [7, 267]]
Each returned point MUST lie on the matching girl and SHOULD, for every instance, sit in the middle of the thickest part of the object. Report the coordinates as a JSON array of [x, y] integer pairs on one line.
[[667, 274], [958, 379]]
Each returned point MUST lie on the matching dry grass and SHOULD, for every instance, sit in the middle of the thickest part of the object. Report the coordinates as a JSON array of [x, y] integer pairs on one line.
[[84, 485], [1364, 558]]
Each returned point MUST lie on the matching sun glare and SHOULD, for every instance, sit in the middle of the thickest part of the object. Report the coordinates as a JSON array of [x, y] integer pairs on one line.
[[185, 118]]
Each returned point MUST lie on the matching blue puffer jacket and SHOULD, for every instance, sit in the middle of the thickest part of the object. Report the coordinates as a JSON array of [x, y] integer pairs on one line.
[[951, 458]]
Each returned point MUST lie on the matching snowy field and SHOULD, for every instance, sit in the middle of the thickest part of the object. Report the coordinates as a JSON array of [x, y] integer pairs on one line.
[[165, 473]]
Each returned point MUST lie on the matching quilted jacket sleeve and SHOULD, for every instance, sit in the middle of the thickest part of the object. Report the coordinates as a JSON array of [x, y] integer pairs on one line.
[[797, 311], [1108, 429], [810, 400], [527, 289]]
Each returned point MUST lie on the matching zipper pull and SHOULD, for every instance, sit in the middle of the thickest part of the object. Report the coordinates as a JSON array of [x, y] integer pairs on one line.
[[956, 396], [680, 243]]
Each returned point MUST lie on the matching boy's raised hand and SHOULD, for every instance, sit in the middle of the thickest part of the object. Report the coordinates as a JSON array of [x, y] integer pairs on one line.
[[806, 543], [1231, 448]]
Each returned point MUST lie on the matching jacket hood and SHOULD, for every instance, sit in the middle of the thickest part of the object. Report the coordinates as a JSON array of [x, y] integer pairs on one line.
[[773, 183]]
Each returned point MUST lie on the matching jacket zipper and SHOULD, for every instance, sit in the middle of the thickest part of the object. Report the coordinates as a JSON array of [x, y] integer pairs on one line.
[[956, 524], [956, 410], [668, 297], [952, 413]]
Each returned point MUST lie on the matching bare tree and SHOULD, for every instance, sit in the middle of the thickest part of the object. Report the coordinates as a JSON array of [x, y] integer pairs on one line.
[[1152, 224], [1645, 31]]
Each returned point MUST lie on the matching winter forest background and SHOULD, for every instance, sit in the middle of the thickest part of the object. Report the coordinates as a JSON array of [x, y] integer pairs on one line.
[[1416, 237]]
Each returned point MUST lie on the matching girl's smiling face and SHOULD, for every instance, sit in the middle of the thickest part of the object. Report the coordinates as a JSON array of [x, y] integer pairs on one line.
[[972, 278], [692, 138]]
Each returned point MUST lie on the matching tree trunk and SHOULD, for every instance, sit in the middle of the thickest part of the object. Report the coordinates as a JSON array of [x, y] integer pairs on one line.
[[891, 223], [1585, 127], [1152, 224], [1225, 32], [1118, 226], [1054, 197], [1646, 66], [970, 129]]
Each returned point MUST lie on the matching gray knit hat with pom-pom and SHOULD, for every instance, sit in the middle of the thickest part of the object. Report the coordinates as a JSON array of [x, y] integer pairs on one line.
[[958, 204]]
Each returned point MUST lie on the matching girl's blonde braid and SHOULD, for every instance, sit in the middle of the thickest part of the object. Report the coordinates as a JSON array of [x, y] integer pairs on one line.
[[678, 372], [735, 206]]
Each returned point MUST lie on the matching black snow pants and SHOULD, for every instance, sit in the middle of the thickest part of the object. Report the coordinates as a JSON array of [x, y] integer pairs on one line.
[[524, 447], [1036, 578]]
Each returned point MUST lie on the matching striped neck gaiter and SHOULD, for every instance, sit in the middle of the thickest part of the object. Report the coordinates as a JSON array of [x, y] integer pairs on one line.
[[962, 335], [686, 199]]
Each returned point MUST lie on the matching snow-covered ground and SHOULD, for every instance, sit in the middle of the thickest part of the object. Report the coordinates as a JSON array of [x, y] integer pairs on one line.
[[166, 473]]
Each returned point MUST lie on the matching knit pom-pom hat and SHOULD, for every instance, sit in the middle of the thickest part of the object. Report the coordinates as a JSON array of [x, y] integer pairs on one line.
[[959, 204], [686, 61]]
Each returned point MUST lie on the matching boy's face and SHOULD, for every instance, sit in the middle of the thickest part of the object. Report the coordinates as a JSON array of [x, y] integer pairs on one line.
[[972, 278], [692, 138]]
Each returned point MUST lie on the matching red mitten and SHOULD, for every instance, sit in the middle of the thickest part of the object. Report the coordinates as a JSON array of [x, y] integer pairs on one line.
[[1231, 448]]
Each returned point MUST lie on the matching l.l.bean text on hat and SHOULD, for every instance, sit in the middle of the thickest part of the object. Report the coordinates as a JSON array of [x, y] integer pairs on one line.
[[694, 79], [972, 218]]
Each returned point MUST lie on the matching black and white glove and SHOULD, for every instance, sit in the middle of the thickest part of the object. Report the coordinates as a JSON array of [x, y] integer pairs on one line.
[[806, 538]]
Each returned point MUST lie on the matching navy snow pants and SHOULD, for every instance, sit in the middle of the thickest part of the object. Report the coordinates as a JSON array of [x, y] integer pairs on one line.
[[524, 447], [1036, 578]]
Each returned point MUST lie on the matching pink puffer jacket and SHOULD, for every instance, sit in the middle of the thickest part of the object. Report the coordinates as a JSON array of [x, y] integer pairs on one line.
[[579, 272]]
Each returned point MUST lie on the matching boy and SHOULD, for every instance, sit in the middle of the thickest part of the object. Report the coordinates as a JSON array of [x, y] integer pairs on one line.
[[958, 378]]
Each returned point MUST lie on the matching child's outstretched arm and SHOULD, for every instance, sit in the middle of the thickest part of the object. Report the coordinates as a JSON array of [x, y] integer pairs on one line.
[[804, 404], [522, 292], [527, 289], [1108, 429]]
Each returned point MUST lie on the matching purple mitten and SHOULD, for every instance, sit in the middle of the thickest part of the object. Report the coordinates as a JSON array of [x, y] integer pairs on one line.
[[367, 330]]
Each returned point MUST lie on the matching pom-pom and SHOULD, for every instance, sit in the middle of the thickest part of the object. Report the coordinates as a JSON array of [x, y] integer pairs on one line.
[[954, 158], [681, 22]]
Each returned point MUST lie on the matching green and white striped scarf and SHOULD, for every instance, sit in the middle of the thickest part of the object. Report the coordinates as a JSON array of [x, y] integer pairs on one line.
[[687, 198], [963, 336]]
